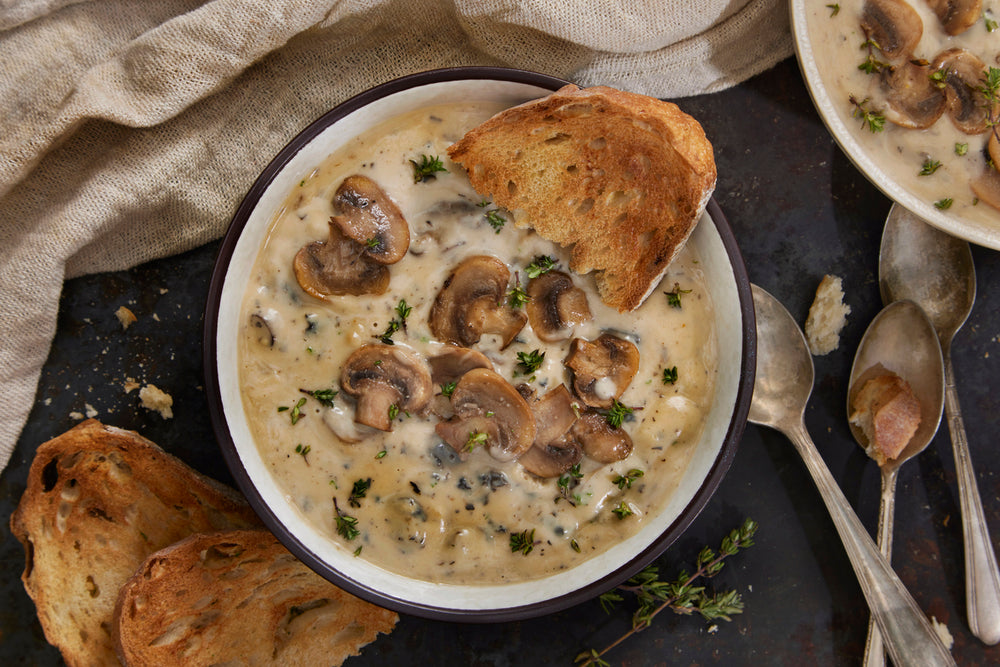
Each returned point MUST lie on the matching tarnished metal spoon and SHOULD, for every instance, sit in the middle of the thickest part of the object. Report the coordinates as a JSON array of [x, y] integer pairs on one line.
[[781, 392], [935, 270], [901, 340]]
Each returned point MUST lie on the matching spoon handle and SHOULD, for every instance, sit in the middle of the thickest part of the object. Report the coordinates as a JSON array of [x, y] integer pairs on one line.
[[908, 635], [874, 648], [982, 579]]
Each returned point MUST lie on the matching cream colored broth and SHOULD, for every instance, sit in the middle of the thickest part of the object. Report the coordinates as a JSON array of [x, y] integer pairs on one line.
[[900, 152], [427, 514]]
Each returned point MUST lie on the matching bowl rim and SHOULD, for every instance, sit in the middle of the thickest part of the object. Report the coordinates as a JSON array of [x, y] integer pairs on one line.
[[860, 157], [691, 510]]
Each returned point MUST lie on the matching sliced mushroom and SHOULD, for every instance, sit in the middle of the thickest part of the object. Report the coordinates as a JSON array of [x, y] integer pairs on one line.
[[485, 403], [993, 145], [262, 333], [552, 453], [338, 266], [452, 362], [914, 100], [472, 302], [600, 440], [957, 16], [893, 25], [965, 102], [986, 186], [381, 376], [556, 305], [368, 215], [602, 369]]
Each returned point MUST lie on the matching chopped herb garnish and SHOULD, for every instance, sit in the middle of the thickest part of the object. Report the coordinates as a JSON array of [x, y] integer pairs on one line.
[[282, 408], [304, 451], [496, 220], [523, 541], [347, 526], [574, 545], [834, 9], [324, 396], [623, 510], [943, 204], [357, 552], [670, 375], [530, 361], [541, 264], [448, 388], [516, 296], [427, 168], [939, 78], [381, 454], [617, 413], [871, 64], [991, 25], [625, 481], [386, 336], [397, 323], [929, 167], [373, 242], [870, 118], [961, 149], [674, 296], [296, 413], [393, 411], [358, 491], [475, 438]]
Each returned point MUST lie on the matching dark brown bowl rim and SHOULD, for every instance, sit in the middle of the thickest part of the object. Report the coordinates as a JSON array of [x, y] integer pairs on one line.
[[223, 435]]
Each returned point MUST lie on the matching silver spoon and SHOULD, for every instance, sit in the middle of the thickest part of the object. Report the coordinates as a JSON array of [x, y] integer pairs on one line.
[[935, 270], [781, 392], [901, 340]]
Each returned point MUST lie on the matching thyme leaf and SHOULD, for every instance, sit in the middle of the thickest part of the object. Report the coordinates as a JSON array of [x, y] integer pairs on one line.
[[347, 526], [523, 541], [324, 396], [617, 413], [541, 264], [427, 168]]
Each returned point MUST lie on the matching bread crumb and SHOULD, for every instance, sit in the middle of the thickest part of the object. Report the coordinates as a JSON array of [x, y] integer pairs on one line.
[[888, 414], [827, 316], [125, 316], [156, 400], [130, 385], [89, 410], [78, 416], [942, 632]]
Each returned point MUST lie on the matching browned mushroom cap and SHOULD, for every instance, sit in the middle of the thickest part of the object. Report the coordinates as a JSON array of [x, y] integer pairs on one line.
[[915, 101], [893, 25], [452, 362], [993, 145], [368, 216], [338, 266], [986, 186], [602, 369], [556, 305], [485, 403], [381, 376], [956, 16], [552, 453], [963, 73], [473, 302], [600, 440]]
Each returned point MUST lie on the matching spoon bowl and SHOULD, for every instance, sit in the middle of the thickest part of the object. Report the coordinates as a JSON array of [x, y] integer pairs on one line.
[[783, 384]]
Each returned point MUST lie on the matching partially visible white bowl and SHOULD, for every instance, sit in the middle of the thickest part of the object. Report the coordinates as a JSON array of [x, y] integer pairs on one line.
[[980, 224], [730, 289]]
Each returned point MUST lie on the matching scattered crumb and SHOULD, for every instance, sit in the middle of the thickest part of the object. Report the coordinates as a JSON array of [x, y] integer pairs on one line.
[[827, 316], [942, 631], [125, 316], [89, 410], [130, 385], [78, 416], [947, 518], [712, 629], [48, 401], [163, 290], [156, 400], [156, 317]]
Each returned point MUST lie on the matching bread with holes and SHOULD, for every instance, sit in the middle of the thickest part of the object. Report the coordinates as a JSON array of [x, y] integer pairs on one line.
[[888, 414], [619, 177], [238, 598], [98, 501]]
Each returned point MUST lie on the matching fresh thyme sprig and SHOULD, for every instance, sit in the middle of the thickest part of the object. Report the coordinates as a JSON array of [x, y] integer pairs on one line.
[[397, 323], [358, 491], [324, 396], [347, 526], [871, 64], [617, 413], [654, 595], [426, 169], [541, 264], [872, 119]]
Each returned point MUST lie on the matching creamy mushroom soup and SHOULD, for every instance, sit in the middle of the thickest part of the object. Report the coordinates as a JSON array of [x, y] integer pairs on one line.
[[353, 399], [917, 69]]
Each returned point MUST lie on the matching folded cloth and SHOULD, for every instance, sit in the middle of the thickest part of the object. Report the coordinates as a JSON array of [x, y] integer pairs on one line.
[[132, 129]]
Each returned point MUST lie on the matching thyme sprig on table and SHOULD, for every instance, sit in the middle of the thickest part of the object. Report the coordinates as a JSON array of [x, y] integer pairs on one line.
[[681, 595]]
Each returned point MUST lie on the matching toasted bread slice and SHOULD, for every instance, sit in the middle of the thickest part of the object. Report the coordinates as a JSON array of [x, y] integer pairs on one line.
[[238, 598], [888, 413], [621, 178], [98, 501]]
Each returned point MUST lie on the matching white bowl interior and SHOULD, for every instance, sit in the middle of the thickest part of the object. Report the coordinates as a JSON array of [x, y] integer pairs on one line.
[[982, 228], [729, 327]]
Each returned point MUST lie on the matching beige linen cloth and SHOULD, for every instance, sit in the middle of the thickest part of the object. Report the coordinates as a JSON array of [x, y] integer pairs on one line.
[[132, 129]]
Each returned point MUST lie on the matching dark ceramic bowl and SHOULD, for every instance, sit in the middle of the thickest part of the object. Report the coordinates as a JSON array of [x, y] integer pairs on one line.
[[488, 601]]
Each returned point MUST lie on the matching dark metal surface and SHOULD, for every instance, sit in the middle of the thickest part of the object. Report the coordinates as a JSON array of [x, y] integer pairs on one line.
[[799, 209]]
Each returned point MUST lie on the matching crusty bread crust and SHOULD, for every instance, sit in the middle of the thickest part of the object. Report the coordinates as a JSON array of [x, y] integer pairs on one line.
[[888, 413], [621, 178], [238, 598], [98, 501]]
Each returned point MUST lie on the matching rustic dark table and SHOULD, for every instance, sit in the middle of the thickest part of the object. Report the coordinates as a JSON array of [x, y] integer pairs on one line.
[[799, 209]]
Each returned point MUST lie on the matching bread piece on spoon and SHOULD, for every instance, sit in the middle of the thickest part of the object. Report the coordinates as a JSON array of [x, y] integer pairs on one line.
[[621, 178], [238, 597], [99, 500], [888, 413]]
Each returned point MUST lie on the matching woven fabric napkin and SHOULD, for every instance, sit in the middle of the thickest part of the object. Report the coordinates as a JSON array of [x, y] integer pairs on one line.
[[131, 130]]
